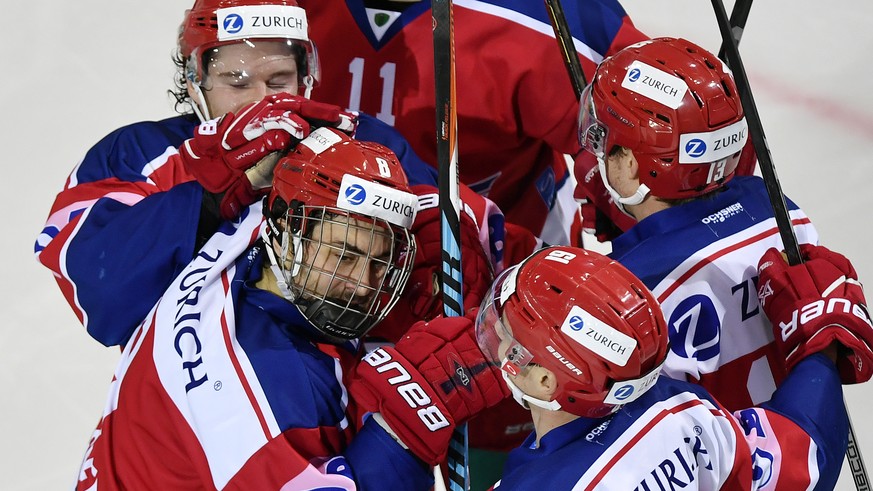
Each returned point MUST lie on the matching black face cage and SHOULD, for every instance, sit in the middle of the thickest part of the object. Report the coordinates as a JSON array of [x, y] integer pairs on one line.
[[331, 271]]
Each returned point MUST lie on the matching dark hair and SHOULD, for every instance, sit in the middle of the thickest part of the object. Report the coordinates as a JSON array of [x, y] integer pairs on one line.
[[179, 92]]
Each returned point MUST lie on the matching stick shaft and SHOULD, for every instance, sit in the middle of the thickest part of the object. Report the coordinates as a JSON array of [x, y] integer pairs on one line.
[[566, 45], [449, 193]]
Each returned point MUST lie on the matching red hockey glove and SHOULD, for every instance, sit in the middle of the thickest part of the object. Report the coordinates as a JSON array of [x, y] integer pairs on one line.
[[422, 298], [814, 304], [436, 377], [600, 216], [236, 154]]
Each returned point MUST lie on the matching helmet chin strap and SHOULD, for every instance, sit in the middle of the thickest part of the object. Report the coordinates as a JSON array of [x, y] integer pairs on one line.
[[281, 279], [525, 400], [308, 82], [200, 107], [634, 199]]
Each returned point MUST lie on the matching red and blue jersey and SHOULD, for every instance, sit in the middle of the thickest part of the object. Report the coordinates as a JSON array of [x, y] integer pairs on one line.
[[516, 108], [676, 436], [700, 260], [220, 388]]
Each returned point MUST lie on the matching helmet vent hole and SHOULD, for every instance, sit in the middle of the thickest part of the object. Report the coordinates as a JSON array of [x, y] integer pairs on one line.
[[326, 182], [697, 98], [727, 89], [663, 118], [709, 64], [556, 289]]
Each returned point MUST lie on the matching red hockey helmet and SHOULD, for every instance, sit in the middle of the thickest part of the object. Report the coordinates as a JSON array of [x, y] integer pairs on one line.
[[214, 23], [338, 218], [675, 105], [584, 317]]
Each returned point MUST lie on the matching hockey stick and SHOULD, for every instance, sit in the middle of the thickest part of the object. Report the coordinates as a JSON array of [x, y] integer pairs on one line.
[[739, 16], [449, 193], [759, 140], [777, 199], [566, 45]]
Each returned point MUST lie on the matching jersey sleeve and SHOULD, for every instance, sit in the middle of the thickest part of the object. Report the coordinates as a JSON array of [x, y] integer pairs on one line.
[[798, 439], [122, 227], [372, 461]]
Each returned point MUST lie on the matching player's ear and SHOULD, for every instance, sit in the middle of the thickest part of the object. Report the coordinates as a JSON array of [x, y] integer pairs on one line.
[[544, 381], [633, 167]]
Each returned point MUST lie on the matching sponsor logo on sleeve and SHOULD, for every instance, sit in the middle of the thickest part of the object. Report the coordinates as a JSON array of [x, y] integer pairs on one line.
[[262, 21]]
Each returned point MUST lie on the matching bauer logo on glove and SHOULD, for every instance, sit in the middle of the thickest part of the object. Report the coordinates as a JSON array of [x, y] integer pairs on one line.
[[816, 304]]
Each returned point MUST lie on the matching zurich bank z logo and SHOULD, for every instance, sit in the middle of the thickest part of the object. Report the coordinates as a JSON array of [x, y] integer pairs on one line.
[[634, 75], [695, 328], [624, 392], [695, 148], [233, 23], [576, 323], [355, 194]]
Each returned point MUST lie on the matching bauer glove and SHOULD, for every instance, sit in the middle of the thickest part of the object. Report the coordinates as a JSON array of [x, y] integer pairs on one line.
[[814, 304], [435, 378], [235, 154]]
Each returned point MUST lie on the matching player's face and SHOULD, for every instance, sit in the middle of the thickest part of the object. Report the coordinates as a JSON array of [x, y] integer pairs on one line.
[[345, 261], [242, 73]]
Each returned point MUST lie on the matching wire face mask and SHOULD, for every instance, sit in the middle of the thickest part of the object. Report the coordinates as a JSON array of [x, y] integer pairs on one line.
[[337, 232], [344, 272]]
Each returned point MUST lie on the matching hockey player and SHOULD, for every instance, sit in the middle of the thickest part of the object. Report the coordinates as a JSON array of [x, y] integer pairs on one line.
[[666, 125], [581, 342], [134, 212], [238, 378], [516, 109]]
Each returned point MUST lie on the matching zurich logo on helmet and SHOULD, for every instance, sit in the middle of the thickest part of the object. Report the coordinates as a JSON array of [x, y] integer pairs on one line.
[[233, 23], [356, 194], [624, 392], [695, 147], [577, 323], [634, 75]]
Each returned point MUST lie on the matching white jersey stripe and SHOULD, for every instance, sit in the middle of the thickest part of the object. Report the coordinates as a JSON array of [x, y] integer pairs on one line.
[[531, 23]]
